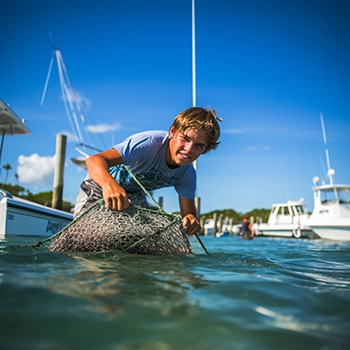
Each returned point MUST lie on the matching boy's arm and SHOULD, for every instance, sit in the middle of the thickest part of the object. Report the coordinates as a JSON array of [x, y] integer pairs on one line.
[[189, 216], [98, 166]]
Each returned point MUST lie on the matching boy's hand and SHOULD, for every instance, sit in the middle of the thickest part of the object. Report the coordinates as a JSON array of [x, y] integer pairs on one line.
[[190, 224], [115, 196]]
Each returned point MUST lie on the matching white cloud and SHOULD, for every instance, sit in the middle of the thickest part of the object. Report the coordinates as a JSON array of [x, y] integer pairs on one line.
[[36, 170], [102, 128]]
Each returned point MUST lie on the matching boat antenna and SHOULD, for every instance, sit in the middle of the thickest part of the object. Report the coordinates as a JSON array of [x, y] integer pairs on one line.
[[49, 72], [194, 88], [194, 102], [47, 79], [330, 171]]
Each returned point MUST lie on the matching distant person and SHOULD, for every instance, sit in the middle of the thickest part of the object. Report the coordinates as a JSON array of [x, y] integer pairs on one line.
[[157, 159], [246, 231]]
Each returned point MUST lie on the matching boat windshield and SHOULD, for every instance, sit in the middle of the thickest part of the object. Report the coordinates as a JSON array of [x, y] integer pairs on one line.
[[344, 197], [299, 209], [332, 196]]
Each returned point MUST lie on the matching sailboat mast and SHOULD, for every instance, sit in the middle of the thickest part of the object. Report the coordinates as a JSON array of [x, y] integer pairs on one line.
[[194, 102], [194, 88]]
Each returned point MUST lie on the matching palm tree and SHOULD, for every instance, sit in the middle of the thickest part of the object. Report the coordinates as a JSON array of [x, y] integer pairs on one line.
[[7, 167]]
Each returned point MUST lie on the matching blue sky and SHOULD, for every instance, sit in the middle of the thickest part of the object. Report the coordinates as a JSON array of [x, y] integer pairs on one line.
[[268, 67]]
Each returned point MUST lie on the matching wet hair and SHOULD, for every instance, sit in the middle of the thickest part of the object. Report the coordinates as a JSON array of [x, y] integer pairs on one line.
[[199, 118]]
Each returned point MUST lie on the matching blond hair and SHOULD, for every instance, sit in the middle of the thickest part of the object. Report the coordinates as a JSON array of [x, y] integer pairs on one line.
[[199, 118]]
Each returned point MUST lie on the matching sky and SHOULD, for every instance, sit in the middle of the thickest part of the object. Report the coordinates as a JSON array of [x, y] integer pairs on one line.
[[268, 67]]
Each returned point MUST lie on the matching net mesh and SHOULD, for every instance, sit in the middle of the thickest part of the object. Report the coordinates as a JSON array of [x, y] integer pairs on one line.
[[135, 230]]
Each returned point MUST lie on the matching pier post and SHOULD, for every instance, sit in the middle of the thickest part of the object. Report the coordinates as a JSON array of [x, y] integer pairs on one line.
[[57, 193], [221, 217], [215, 219], [231, 227], [202, 223]]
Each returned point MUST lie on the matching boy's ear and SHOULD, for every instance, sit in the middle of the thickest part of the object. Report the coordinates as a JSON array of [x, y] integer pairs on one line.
[[172, 132]]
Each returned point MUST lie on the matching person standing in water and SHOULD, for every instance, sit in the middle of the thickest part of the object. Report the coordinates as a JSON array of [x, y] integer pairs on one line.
[[247, 231]]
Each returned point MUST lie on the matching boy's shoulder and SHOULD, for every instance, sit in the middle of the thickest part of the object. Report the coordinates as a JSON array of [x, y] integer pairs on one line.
[[151, 136]]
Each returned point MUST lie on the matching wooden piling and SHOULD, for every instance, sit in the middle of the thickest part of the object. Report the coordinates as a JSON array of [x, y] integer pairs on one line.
[[202, 223], [231, 227], [61, 141], [221, 217], [215, 219]]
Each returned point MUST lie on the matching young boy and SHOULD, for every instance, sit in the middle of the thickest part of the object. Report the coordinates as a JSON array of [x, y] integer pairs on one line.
[[157, 159]]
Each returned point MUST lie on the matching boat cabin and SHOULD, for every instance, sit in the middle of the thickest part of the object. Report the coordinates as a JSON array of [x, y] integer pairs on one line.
[[332, 200], [291, 212]]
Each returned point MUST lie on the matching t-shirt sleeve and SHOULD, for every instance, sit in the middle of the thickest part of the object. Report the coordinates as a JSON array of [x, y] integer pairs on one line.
[[187, 185]]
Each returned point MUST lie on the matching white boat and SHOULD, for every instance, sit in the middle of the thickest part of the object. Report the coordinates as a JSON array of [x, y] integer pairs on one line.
[[286, 220], [330, 218], [21, 217]]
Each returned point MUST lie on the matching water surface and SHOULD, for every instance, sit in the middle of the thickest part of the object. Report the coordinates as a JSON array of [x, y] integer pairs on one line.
[[267, 293]]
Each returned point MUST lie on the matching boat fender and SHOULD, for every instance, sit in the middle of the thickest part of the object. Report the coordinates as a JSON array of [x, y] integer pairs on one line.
[[297, 233]]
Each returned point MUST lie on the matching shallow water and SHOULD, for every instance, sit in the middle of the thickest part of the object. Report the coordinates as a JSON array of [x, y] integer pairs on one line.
[[267, 293]]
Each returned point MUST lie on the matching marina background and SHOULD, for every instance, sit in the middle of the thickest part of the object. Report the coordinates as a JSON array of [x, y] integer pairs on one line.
[[269, 68]]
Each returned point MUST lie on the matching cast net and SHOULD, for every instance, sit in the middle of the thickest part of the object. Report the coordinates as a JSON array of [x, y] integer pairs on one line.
[[135, 230]]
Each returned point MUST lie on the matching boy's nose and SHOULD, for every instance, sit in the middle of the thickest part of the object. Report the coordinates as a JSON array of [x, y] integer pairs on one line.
[[189, 147]]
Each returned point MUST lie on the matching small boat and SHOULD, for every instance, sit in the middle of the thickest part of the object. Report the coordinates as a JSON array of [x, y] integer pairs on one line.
[[286, 220], [330, 218], [25, 218], [19, 216]]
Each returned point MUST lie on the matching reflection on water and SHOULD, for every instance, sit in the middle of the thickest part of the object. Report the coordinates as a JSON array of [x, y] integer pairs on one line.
[[112, 282], [253, 294]]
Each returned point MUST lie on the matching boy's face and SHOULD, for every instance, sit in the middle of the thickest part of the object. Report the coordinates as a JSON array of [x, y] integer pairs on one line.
[[185, 148]]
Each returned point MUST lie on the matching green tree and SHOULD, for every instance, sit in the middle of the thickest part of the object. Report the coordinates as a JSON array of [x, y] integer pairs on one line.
[[7, 167]]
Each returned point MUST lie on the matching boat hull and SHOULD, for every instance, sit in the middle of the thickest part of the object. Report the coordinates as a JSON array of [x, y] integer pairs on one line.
[[338, 230], [30, 219], [286, 231]]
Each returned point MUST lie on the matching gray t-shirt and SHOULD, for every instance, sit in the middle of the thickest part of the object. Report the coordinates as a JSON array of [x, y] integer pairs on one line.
[[144, 154]]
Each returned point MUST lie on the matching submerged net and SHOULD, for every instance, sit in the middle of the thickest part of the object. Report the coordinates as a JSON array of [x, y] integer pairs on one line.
[[135, 230]]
